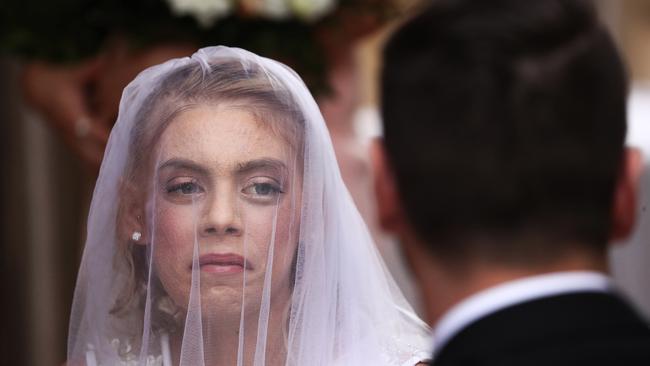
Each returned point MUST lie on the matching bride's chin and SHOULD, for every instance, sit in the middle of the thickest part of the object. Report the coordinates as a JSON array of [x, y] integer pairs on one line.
[[222, 303], [225, 302]]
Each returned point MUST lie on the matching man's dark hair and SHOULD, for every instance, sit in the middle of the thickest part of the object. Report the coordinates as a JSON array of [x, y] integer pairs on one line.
[[504, 125]]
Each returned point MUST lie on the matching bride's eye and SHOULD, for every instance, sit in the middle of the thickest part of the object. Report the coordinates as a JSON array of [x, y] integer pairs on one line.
[[265, 189], [185, 188]]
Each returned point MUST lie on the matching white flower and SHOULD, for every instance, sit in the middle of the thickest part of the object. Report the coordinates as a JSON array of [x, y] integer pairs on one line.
[[206, 12], [311, 10]]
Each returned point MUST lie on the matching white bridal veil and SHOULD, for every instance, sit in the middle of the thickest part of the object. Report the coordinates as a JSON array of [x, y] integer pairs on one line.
[[220, 232]]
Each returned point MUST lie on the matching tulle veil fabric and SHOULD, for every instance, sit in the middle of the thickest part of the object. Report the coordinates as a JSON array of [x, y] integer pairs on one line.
[[220, 232]]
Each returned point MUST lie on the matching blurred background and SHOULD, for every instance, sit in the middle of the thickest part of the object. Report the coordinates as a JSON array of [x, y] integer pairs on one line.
[[63, 66]]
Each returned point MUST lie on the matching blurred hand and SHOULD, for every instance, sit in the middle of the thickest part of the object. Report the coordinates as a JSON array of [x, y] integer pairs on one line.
[[81, 101], [122, 64], [64, 96]]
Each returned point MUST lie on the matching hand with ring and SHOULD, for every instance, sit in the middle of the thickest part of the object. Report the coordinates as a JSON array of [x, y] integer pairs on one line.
[[81, 101], [64, 96]]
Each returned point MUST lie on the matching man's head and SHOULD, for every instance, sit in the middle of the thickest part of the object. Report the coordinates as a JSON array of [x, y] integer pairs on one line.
[[504, 126]]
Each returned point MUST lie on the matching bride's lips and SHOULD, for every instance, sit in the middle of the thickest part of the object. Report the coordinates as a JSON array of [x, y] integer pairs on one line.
[[223, 263]]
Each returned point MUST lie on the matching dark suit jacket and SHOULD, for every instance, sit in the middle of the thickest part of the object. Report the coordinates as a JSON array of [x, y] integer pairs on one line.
[[574, 329]]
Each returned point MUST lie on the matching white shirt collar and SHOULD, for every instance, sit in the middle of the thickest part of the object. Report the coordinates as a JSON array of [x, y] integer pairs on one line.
[[511, 293]]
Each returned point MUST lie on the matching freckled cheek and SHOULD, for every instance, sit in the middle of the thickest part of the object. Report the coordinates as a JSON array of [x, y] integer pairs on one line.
[[260, 224], [173, 235], [173, 248]]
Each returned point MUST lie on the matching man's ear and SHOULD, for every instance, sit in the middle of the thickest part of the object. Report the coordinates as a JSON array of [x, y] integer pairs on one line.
[[131, 216], [625, 196], [389, 205]]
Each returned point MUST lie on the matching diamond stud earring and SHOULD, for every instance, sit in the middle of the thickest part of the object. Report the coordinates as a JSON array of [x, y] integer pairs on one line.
[[136, 236]]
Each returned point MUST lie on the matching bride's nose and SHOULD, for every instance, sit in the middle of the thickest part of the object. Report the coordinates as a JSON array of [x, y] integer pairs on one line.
[[221, 215]]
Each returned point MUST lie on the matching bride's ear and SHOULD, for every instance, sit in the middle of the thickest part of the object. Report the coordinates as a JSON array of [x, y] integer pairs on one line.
[[387, 198], [625, 196], [131, 221]]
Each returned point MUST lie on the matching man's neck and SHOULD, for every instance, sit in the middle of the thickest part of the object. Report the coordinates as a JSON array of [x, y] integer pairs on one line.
[[444, 285]]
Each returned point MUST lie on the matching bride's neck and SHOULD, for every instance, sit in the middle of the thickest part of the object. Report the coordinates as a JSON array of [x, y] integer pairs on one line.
[[221, 339]]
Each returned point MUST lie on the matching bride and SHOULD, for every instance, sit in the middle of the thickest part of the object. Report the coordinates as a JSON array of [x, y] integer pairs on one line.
[[220, 232]]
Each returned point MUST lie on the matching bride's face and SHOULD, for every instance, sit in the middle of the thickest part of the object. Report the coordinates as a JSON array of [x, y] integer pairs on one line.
[[225, 181]]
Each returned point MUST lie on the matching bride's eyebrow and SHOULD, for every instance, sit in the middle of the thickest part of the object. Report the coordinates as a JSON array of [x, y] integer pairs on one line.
[[184, 164], [261, 164]]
